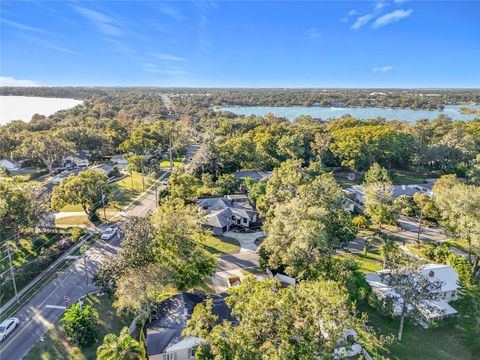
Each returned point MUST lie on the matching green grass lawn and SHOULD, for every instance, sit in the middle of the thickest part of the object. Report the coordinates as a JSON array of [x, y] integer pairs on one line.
[[405, 177], [370, 263], [342, 180], [122, 192], [220, 246], [442, 343], [57, 346]]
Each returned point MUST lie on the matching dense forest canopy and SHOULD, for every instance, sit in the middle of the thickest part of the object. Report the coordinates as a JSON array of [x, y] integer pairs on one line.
[[428, 99]]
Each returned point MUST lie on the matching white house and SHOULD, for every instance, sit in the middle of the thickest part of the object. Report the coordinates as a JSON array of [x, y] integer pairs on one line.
[[119, 161], [9, 164], [433, 309], [356, 192]]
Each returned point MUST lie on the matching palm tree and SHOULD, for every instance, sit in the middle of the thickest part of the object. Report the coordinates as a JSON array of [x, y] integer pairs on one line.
[[122, 347]]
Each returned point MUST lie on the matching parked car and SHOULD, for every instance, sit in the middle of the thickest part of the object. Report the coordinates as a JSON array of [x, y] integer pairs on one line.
[[109, 232], [7, 326]]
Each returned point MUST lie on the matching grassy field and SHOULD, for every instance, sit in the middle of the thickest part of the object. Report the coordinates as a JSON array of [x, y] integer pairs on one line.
[[122, 192], [56, 345], [342, 180], [404, 177], [370, 263], [225, 245], [166, 163], [442, 343]]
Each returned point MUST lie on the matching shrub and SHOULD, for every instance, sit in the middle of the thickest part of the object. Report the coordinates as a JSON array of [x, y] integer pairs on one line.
[[80, 324], [76, 233]]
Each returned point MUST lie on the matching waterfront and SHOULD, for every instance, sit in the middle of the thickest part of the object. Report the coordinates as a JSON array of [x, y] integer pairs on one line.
[[325, 113], [24, 107]]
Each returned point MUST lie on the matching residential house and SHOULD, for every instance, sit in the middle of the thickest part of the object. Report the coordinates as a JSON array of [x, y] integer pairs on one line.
[[10, 164], [107, 169], [79, 160], [254, 175], [119, 161], [164, 339], [434, 309], [357, 194], [222, 213]]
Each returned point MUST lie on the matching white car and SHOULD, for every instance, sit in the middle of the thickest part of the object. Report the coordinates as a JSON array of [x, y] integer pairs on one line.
[[109, 232], [7, 326]]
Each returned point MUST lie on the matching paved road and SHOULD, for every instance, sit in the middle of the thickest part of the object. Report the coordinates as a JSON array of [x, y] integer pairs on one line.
[[37, 316], [241, 260]]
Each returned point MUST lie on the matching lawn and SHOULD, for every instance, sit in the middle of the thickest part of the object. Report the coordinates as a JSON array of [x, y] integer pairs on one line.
[[218, 246], [342, 180], [56, 345], [370, 263], [166, 163], [83, 219], [442, 343], [124, 191], [405, 177]]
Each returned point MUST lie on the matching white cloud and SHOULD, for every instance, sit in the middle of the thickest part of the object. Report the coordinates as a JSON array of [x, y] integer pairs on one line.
[[392, 17], [400, 1], [49, 44], [171, 11], [314, 33], [169, 57], [361, 21], [22, 26], [104, 23], [380, 5], [346, 18], [382, 69], [10, 81]]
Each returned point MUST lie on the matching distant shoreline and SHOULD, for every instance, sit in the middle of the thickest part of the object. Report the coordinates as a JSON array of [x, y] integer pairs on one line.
[[13, 107]]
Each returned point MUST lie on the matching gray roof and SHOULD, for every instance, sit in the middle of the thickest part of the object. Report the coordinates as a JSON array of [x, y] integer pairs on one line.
[[255, 175], [172, 316], [220, 210]]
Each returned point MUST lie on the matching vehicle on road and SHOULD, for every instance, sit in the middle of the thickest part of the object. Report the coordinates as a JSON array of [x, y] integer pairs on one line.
[[7, 326], [109, 232]]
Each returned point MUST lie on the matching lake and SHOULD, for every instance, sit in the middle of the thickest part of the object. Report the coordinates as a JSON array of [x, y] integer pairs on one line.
[[24, 107], [324, 113]]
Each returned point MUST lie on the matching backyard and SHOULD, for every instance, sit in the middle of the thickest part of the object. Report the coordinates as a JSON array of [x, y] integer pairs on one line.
[[56, 346], [440, 343]]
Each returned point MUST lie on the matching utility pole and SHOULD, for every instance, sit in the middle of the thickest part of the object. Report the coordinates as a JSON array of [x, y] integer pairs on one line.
[[103, 203], [156, 193], [85, 266], [11, 271], [170, 152], [143, 179]]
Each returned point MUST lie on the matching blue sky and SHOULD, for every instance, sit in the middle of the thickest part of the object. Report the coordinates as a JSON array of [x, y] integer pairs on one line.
[[394, 43]]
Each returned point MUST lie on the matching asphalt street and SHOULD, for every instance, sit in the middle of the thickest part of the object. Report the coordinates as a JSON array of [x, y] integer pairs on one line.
[[46, 306]]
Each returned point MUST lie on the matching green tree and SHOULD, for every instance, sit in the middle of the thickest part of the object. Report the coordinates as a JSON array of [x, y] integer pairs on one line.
[[89, 188], [46, 147], [80, 323], [360, 222], [122, 347], [315, 314], [160, 256], [378, 198], [468, 307], [459, 206], [182, 185], [228, 184], [309, 226], [413, 289], [21, 205], [375, 174]]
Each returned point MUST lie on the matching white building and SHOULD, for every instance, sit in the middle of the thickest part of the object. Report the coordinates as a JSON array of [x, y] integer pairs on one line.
[[433, 309], [9, 164]]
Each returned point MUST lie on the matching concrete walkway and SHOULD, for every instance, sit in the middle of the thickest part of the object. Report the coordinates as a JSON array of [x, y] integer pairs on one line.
[[246, 240]]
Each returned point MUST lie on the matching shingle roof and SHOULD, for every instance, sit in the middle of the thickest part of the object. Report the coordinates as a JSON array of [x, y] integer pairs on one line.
[[172, 316]]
